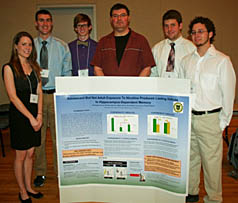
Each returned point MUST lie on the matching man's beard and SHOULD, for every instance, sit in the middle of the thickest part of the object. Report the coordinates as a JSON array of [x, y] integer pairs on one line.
[[199, 45]]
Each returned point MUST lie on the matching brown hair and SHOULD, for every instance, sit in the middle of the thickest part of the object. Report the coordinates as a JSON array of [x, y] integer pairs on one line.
[[15, 61], [81, 18]]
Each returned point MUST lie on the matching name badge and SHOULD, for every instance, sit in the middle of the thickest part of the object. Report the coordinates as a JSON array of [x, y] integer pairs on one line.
[[83, 73], [44, 73], [34, 98]]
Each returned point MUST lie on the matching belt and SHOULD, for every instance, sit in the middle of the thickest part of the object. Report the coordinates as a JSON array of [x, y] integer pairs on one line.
[[198, 113], [49, 91]]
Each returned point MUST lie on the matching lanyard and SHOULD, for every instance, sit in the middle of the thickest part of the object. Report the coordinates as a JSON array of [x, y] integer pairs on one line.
[[29, 81], [78, 55]]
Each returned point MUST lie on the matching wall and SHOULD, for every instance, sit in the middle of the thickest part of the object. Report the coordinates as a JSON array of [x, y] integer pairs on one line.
[[18, 15]]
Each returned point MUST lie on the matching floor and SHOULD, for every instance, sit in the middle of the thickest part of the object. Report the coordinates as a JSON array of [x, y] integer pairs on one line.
[[9, 189]]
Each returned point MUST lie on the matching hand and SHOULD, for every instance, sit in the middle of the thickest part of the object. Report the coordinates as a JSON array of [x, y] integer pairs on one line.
[[39, 118], [35, 124]]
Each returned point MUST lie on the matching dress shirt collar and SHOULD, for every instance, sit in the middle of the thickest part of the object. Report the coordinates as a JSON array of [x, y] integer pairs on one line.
[[210, 52], [49, 39], [83, 43], [84, 40], [177, 41]]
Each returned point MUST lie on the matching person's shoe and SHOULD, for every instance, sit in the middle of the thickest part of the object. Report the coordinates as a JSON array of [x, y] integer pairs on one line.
[[39, 181], [233, 174], [36, 196], [25, 200], [192, 198]]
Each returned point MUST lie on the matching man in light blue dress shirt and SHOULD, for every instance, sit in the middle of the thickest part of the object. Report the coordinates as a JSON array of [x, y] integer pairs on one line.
[[58, 60]]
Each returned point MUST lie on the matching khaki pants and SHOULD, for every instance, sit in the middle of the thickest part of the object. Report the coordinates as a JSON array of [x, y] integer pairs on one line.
[[40, 152], [206, 151]]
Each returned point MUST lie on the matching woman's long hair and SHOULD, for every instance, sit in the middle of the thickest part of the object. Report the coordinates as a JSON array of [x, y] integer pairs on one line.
[[15, 61]]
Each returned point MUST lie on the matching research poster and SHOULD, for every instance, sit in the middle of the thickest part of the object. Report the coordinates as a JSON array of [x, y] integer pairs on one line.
[[123, 139]]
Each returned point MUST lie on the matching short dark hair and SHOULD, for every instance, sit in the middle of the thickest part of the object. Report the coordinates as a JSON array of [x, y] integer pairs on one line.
[[208, 24], [42, 11], [119, 6], [172, 14], [81, 18]]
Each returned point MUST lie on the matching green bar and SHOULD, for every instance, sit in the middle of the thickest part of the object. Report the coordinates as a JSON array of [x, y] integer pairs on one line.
[[112, 122], [129, 128], [120, 129], [154, 125], [165, 128]]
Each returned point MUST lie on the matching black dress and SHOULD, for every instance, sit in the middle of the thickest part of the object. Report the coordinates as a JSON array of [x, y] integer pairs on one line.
[[22, 134]]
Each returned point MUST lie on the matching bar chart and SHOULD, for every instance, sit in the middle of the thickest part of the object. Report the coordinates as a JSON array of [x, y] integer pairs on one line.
[[162, 125], [122, 124]]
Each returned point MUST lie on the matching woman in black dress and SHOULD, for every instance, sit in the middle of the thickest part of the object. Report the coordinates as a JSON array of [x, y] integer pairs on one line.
[[23, 84]]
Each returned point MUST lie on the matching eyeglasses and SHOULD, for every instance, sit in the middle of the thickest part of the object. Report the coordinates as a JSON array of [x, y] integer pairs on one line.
[[198, 32], [123, 15], [82, 25]]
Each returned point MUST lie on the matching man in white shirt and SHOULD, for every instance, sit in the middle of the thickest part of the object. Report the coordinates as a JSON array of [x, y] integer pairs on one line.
[[172, 25], [213, 83]]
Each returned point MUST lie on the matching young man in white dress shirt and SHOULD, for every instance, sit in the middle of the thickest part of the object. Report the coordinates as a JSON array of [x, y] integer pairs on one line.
[[213, 83], [172, 25]]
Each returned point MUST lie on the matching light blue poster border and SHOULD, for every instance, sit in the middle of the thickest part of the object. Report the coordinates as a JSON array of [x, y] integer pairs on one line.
[[123, 139]]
